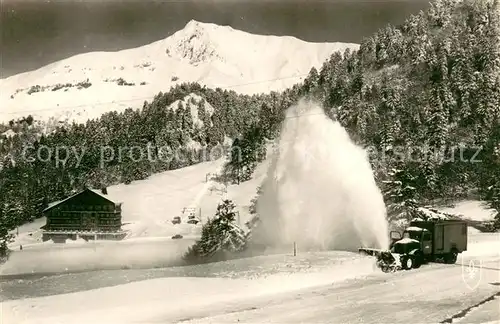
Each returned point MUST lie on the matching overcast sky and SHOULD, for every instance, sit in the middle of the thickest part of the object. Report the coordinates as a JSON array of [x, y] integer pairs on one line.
[[35, 33]]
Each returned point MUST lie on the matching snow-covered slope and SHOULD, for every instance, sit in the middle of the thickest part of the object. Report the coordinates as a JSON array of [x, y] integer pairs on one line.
[[149, 205], [471, 209], [87, 85]]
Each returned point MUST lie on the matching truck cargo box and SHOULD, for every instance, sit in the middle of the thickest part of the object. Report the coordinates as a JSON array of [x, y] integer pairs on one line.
[[447, 235]]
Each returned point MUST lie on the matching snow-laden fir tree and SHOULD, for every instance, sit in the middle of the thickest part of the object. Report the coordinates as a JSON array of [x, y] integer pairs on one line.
[[399, 195], [493, 191], [246, 152], [9, 211], [221, 236]]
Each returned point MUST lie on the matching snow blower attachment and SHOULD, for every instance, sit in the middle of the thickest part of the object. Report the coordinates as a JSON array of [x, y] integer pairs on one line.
[[386, 261]]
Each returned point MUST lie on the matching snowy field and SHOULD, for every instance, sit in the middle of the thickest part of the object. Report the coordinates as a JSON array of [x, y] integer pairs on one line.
[[87, 256], [251, 268], [189, 287]]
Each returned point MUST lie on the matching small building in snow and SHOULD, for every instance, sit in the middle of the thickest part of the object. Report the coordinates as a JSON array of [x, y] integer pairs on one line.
[[89, 214]]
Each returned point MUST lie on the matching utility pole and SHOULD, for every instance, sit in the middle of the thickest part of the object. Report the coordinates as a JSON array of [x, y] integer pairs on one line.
[[294, 248]]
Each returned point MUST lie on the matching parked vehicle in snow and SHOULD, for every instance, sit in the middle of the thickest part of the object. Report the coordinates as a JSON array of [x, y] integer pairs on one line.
[[422, 242]]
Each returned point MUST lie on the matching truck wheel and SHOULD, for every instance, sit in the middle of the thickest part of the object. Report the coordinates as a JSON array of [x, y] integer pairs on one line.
[[408, 263], [417, 262], [451, 258]]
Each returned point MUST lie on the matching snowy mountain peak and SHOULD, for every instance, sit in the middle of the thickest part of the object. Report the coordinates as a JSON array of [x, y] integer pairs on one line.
[[196, 42], [87, 85], [198, 25]]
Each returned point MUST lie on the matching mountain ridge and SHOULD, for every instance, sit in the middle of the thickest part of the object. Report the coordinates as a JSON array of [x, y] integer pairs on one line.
[[210, 54]]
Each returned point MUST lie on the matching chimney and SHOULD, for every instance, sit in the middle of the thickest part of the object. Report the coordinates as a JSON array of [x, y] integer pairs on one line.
[[104, 190]]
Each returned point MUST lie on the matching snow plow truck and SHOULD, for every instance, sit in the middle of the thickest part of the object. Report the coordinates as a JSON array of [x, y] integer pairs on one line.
[[422, 242]]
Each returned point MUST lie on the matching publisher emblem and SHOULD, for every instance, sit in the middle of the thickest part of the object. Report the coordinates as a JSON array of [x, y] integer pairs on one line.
[[471, 273]]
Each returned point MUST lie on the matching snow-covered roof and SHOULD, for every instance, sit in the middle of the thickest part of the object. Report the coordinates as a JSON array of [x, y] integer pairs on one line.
[[428, 213], [107, 197], [52, 204], [406, 240], [415, 229], [97, 192]]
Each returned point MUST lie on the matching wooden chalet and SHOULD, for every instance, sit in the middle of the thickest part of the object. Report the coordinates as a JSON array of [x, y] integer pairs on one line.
[[89, 214]]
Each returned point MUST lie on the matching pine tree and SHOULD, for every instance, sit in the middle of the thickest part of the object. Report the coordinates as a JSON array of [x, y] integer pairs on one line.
[[399, 195], [440, 12], [312, 80], [7, 222], [438, 122], [220, 237], [232, 169]]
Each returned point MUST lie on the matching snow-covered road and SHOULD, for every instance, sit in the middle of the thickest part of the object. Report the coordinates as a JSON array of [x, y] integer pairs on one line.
[[432, 294]]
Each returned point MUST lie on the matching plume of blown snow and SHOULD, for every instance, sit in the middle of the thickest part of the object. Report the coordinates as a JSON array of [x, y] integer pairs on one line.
[[320, 191]]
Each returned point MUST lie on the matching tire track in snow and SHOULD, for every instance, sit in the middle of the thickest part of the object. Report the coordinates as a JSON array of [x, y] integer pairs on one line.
[[463, 313]]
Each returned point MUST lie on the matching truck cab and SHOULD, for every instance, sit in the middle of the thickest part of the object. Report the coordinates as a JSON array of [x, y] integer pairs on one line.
[[422, 236], [415, 243]]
